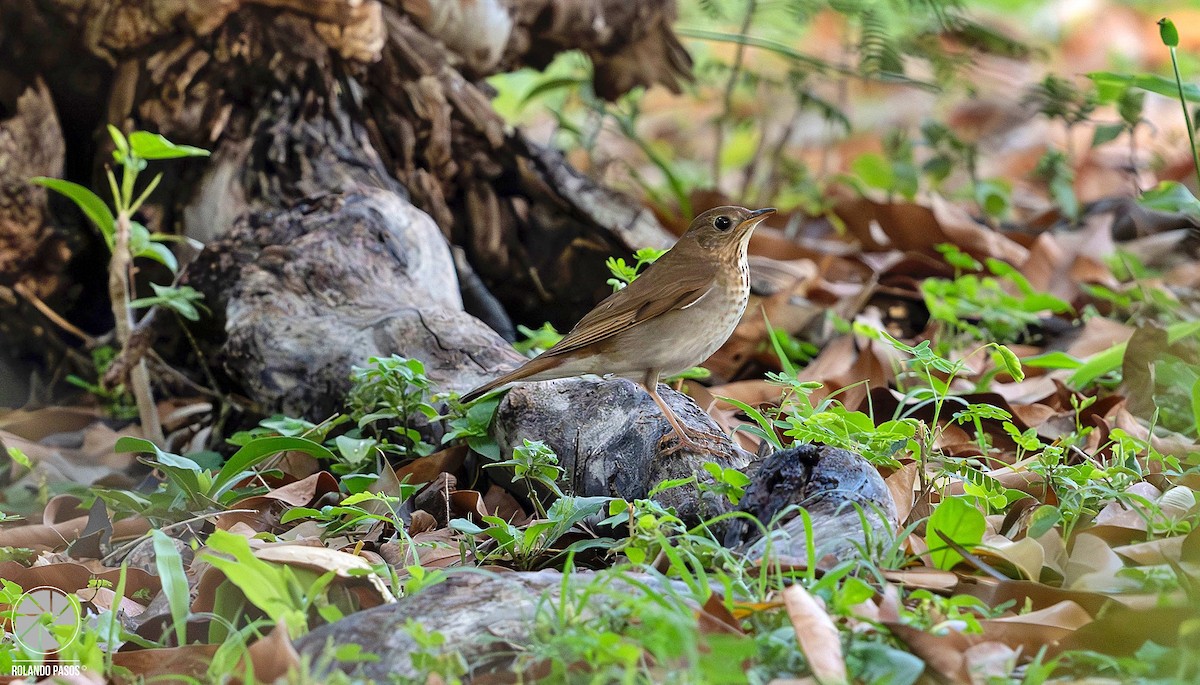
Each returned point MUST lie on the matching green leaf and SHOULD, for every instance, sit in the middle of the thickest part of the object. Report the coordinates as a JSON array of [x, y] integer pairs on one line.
[[153, 146], [174, 580], [1170, 196], [265, 585], [1043, 519], [1196, 405], [874, 170], [258, 451], [958, 519], [355, 451], [87, 201], [1168, 33], [19, 457], [994, 197], [1106, 133], [161, 254], [119, 141], [1002, 356], [1110, 86], [549, 86], [1053, 360]]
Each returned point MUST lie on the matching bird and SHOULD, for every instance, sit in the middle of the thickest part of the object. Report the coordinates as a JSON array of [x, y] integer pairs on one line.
[[672, 317]]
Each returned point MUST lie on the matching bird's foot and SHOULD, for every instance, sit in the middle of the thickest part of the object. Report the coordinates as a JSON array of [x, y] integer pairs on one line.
[[692, 441]]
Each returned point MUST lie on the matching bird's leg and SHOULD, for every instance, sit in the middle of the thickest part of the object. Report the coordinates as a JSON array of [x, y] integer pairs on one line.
[[651, 384]]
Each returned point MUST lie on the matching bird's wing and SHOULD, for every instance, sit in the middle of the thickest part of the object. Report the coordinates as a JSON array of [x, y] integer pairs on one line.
[[639, 302]]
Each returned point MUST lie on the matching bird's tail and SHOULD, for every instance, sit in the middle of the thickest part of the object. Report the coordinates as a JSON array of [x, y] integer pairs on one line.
[[530, 368]]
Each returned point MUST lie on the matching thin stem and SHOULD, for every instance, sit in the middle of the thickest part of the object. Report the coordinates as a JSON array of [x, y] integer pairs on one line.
[[1187, 117], [735, 71], [118, 291]]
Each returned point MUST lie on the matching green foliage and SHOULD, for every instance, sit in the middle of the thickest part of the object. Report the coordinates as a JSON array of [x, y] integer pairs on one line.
[[535, 464], [1055, 169], [356, 511], [432, 658], [955, 520], [537, 340], [191, 488], [986, 308], [533, 545], [278, 590], [472, 425], [169, 564], [393, 390], [624, 274], [117, 400], [131, 155]]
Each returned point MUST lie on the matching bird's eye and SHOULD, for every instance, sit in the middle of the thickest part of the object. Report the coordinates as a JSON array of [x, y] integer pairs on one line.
[[722, 223]]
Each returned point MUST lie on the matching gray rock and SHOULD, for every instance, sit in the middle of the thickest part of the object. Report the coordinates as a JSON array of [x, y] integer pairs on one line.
[[607, 436], [833, 485], [488, 618]]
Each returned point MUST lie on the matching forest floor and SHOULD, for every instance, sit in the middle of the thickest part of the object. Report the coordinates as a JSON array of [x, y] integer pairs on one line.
[[990, 292]]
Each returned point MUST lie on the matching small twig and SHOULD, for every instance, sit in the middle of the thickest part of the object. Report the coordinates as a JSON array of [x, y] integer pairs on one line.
[[128, 547], [38, 304]]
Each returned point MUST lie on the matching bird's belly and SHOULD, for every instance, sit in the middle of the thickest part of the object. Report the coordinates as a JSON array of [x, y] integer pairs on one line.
[[696, 333]]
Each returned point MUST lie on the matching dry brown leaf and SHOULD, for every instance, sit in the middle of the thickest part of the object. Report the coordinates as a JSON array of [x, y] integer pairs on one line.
[[42, 536], [925, 578], [1093, 566], [269, 506], [427, 468], [715, 617], [942, 653], [1027, 556], [1031, 631], [902, 486], [167, 663], [33, 425], [273, 656], [346, 567], [817, 635]]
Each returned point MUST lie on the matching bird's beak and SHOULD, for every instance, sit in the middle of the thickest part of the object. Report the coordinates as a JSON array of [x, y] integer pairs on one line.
[[756, 217]]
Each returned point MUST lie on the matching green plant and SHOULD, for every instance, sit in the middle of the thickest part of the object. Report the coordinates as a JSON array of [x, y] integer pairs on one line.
[[983, 307], [471, 424], [1054, 168], [296, 596], [624, 274], [530, 545], [1169, 196], [1170, 38], [355, 511], [433, 659], [127, 240], [534, 463], [191, 488], [117, 401], [1059, 98], [537, 340], [396, 390]]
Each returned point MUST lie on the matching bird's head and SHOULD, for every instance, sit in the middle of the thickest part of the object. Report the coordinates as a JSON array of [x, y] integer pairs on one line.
[[725, 227]]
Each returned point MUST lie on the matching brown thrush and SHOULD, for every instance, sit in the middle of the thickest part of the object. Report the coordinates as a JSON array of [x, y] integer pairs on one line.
[[669, 319]]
